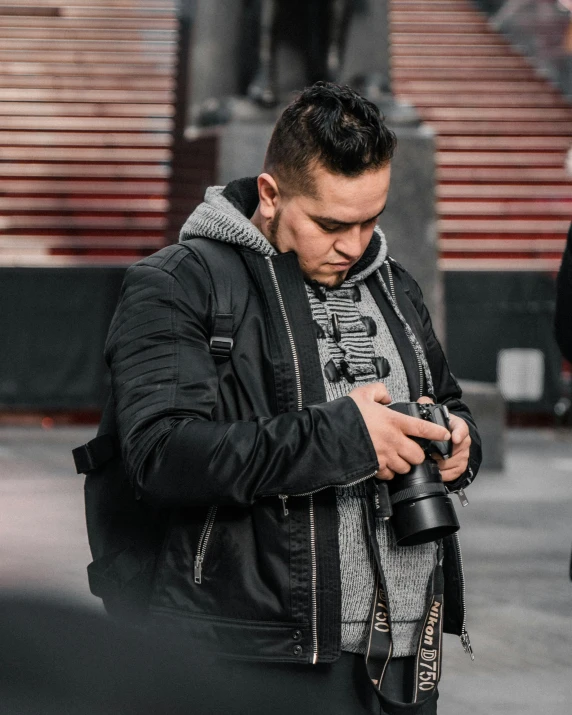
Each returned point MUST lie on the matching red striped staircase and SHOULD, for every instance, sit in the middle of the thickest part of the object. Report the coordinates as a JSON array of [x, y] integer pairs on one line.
[[86, 107], [502, 131]]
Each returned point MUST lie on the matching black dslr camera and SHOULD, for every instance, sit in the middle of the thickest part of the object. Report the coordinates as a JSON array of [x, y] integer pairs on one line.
[[422, 509]]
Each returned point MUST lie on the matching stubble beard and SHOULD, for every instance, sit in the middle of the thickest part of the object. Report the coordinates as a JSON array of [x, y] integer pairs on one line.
[[273, 226]]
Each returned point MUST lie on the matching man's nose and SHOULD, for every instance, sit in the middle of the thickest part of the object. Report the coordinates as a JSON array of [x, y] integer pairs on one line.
[[350, 243]]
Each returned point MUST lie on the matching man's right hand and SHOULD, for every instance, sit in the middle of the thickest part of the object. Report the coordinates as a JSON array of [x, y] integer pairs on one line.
[[390, 431]]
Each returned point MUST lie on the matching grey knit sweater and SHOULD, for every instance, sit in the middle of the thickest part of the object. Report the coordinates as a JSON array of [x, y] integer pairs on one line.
[[407, 569]]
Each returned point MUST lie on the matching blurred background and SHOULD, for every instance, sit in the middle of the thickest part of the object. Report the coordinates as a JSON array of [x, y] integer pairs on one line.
[[115, 115]]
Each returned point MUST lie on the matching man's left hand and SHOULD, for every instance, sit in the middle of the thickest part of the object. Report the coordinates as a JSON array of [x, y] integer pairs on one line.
[[457, 463]]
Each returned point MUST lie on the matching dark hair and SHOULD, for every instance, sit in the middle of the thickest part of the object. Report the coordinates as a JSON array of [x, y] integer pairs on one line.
[[332, 125]]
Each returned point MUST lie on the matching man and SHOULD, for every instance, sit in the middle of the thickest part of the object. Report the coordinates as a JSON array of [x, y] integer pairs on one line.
[[267, 460]]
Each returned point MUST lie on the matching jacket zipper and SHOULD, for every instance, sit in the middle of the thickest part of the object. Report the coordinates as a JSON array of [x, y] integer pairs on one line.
[[465, 640], [203, 543], [314, 582], [314, 577]]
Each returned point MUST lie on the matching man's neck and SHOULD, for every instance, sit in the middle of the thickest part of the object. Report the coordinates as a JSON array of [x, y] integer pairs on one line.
[[257, 220]]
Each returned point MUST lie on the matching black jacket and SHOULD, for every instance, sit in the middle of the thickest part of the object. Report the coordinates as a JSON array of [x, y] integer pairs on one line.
[[563, 317], [221, 447]]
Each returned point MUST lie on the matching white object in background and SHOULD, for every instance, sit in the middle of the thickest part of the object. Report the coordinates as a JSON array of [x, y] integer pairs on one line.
[[520, 374], [568, 164]]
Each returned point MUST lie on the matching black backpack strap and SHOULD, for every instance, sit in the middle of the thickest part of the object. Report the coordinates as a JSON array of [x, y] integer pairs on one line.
[[102, 448], [221, 260]]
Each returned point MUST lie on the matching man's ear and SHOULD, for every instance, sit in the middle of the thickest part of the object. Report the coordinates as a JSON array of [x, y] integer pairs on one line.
[[269, 195]]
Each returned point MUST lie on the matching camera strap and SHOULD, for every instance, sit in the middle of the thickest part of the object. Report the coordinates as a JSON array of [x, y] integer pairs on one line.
[[379, 647]]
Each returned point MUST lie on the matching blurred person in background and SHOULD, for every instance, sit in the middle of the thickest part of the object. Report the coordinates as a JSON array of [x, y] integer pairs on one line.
[[268, 460]]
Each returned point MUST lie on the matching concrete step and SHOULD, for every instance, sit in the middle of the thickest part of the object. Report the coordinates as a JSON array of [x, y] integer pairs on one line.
[[70, 47], [427, 38], [83, 109], [84, 188], [88, 95], [523, 192], [539, 264], [85, 57], [33, 224], [106, 140], [494, 88], [100, 5], [88, 19], [123, 71], [501, 158], [456, 62], [504, 114], [492, 101], [81, 205], [522, 145], [494, 174], [111, 82], [507, 209], [532, 246], [80, 123], [69, 170], [454, 51], [420, 71], [450, 23], [490, 128], [43, 35], [89, 155], [505, 226], [434, 12]]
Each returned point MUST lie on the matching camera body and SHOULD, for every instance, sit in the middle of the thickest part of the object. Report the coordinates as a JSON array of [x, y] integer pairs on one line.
[[422, 508]]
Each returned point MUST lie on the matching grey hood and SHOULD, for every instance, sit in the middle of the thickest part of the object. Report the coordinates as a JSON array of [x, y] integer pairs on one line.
[[224, 216]]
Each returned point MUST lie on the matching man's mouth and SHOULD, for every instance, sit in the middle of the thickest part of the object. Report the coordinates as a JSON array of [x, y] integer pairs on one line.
[[342, 266]]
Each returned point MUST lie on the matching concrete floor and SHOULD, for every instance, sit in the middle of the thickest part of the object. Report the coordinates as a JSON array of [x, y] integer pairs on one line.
[[516, 537]]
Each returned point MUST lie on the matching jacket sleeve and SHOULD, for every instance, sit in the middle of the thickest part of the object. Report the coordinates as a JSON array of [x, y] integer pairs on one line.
[[447, 389], [563, 315], [165, 386]]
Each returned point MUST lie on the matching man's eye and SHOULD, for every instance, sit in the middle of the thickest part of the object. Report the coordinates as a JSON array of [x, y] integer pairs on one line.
[[328, 229]]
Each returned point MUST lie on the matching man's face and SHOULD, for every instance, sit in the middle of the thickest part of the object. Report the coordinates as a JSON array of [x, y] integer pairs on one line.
[[330, 231]]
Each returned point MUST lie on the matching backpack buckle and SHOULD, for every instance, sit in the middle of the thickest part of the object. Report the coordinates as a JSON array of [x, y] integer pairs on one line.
[[96, 452], [221, 347]]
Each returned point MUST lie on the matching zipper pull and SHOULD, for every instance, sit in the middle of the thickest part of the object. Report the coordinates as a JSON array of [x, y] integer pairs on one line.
[[198, 569], [462, 497], [284, 498], [466, 642]]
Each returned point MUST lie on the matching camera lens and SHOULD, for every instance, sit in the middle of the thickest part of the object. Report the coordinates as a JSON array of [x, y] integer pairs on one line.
[[422, 509]]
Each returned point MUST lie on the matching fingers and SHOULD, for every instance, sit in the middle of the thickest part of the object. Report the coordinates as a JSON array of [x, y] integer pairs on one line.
[[425, 401], [410, 451], [415, 427], [385, 474], [459, 429], [456, 465]]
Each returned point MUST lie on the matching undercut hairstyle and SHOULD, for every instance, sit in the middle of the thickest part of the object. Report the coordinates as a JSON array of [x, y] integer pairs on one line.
[[329, 125]]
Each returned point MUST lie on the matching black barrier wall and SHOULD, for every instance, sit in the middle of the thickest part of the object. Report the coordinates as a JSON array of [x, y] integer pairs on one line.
[[490, 312], [53, 323]]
